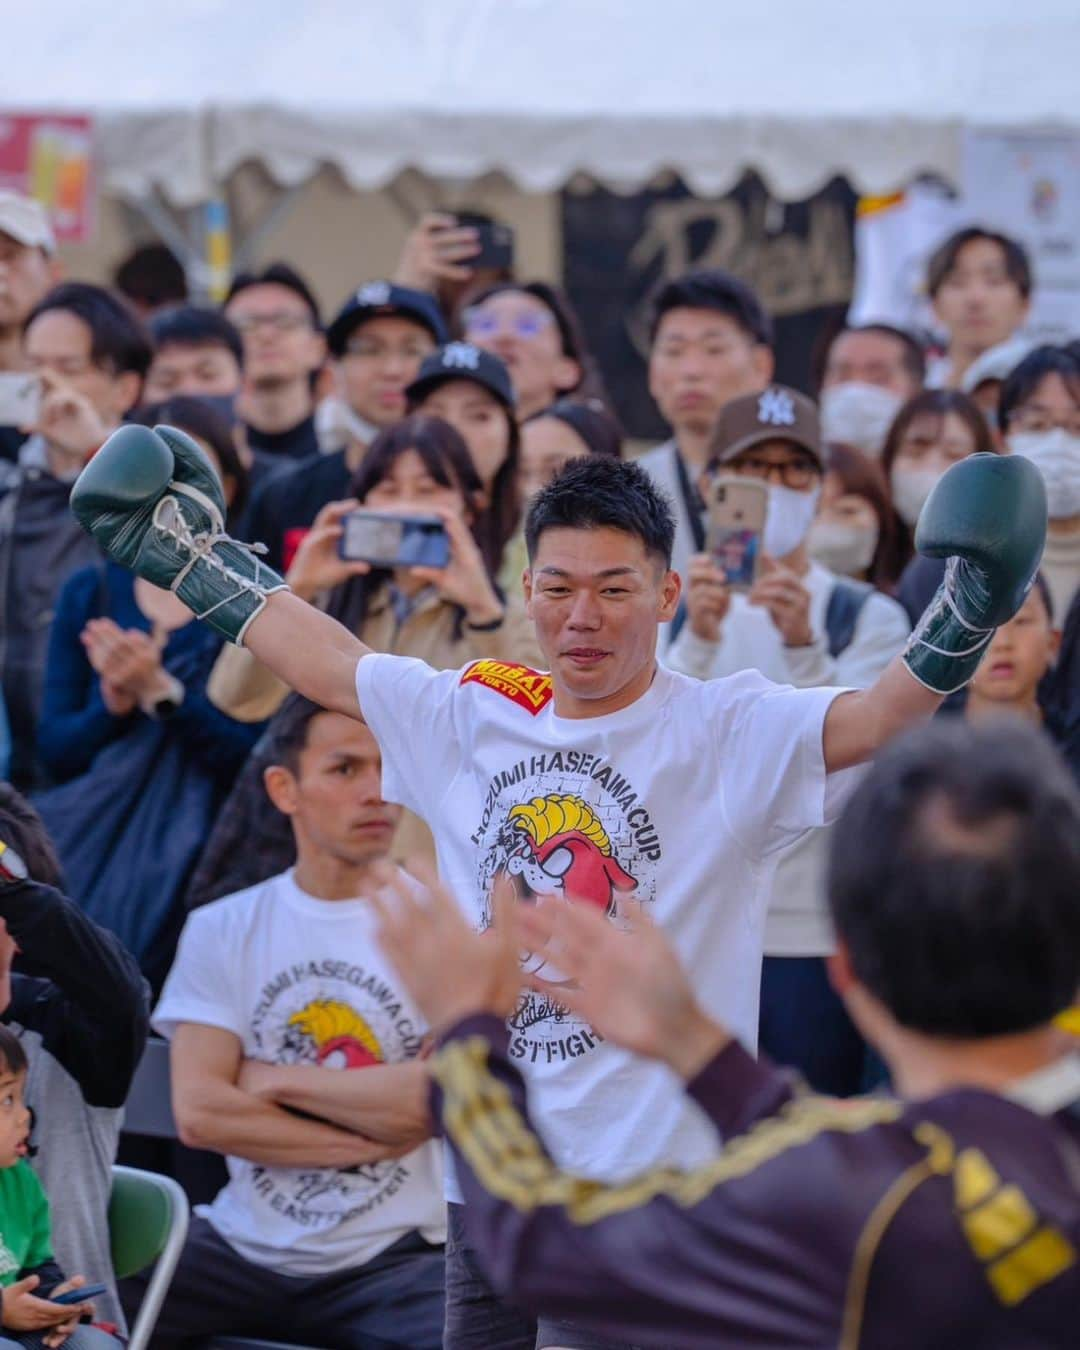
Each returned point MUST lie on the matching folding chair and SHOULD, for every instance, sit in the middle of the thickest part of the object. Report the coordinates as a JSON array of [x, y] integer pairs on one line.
[[148, 1222]]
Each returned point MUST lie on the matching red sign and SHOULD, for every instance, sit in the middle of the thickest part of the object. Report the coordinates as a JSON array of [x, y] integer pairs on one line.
[[48, 156]]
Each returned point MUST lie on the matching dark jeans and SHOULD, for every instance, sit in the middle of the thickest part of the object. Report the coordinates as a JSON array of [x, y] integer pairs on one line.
[[805, 1025], [393, 1302], [476, 1319]]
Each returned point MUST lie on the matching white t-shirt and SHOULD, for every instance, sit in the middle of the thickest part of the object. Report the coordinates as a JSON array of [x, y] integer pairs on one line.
[[302, 981], [681, 801], [798, 922]]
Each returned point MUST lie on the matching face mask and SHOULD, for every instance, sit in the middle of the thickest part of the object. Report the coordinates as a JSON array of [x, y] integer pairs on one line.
[[859, 415], [910, 489], [1056, 454], [847, 549], [788, 519]]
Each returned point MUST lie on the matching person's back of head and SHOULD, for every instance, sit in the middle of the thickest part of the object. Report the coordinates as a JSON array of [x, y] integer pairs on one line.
[[23, 830], [601, 492], [954, 881], [150, 277]]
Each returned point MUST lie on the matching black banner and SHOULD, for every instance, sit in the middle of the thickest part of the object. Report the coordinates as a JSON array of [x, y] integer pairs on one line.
[[798, 256]]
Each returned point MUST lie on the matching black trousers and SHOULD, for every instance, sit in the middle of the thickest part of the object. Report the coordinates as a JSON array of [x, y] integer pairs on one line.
[[393, 1302]]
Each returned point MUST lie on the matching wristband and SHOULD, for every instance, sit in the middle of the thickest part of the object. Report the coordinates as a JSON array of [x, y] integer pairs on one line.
[[488, 627]]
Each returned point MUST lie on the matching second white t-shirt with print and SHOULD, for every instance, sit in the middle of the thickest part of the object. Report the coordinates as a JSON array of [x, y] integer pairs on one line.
[[302, 981], [680, 801]]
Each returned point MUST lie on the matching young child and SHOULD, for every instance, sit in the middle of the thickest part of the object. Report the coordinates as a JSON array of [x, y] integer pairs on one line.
[[28, 1272], [1019, 655]]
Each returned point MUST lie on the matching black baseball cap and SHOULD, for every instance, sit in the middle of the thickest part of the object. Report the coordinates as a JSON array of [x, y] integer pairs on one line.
[[378, 299], [462, 361]]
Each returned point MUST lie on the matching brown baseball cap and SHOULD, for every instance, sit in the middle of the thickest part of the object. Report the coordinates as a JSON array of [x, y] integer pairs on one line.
[[776, 414]]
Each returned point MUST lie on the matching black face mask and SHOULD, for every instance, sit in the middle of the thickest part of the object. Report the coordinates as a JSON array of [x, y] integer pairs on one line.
[[224, 404]]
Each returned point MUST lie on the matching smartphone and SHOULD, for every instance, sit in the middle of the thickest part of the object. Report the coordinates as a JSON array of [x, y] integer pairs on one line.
[[496, 244], [20, 398], [393, 541], [736, 509], [88, 1291]]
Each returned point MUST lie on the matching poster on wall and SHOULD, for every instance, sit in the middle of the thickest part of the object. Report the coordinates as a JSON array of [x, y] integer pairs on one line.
[[617, 248], [49, 156]]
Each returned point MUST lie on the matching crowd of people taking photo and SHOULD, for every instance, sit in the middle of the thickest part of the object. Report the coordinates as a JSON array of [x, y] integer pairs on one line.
[[209, 829]]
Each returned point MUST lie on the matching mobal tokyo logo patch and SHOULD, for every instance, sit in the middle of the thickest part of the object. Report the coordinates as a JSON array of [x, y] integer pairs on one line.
[[529, 689]]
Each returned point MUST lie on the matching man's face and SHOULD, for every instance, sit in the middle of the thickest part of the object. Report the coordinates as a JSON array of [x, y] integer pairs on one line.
[[178, 368], [1019, 655], [26, 274], [596, 597], [14, 1118], [281, 344], [521, 330], [701, 360], [869, 358], [381, 357], [61, 343], [978, 302], [335, 798]]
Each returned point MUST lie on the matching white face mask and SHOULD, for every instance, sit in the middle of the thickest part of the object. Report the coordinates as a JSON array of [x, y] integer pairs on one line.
[[1056, 454], [788, 519], [910, 489], [859, 415], [843, 548]]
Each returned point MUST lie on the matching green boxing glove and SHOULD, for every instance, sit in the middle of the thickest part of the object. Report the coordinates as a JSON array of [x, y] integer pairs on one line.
[[154, 503], [987, 515]]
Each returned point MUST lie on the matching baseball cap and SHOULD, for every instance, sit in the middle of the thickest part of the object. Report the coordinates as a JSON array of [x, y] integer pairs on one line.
[[776, 414], [462, 361], [378, 299], [26, 221]]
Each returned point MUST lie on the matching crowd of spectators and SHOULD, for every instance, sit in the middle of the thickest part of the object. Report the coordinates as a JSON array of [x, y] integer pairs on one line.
[[180, 782]]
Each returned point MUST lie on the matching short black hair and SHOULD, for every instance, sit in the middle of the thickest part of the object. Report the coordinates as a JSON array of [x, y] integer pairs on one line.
[[589, 420], [196, 326], [153, 276], [712, 288], [954, 880], [914, 357], [944, 259], [118, 341], [287, 734], [597, 492], [1025, 377], [277, 274], [12, 1054], [23, 829]]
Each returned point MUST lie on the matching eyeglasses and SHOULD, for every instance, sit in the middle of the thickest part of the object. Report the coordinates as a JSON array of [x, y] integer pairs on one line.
[[1035, 418], [280, 322], [369, 349], [792, 473], [525, 326]]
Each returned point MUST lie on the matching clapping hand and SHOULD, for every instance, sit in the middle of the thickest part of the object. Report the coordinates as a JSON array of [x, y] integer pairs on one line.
[[128, 662]]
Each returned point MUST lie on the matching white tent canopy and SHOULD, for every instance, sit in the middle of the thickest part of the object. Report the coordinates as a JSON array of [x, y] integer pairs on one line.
[[540, 89]]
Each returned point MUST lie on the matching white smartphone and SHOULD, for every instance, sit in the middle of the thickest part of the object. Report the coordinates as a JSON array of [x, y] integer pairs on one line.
[[737, 508], [20, 398]]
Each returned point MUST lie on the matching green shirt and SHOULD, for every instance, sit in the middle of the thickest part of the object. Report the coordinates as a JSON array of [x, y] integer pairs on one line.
[[25, 1231]]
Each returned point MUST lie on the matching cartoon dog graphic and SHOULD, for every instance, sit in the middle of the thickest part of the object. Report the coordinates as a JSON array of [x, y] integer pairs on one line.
[[342, 1039], [559, 847]]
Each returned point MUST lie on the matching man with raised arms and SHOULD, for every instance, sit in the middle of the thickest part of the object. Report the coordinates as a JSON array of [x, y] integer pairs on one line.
[[609, 778]]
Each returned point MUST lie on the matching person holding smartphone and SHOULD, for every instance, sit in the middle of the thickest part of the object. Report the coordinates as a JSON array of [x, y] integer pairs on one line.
[[445, 616], [798, 624]]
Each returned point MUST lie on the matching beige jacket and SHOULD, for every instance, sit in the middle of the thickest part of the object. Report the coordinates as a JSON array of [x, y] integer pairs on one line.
[[245, 689]]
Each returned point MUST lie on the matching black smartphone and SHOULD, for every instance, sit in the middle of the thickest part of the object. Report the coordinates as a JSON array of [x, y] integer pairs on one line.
[[88, 1291], [393, 541], [496, 244]]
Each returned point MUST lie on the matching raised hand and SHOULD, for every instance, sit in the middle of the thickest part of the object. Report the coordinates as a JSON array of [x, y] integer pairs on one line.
[[787, 600], [450, 970], [626, 982], [464, 581], [317, 566], [707, 597]]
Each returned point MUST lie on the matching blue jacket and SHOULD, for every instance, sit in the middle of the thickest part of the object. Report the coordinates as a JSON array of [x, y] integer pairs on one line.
[[75, 723]]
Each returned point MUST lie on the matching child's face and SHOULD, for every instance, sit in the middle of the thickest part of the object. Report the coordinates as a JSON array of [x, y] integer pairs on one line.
[[1019, 655], [14, 1118]]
